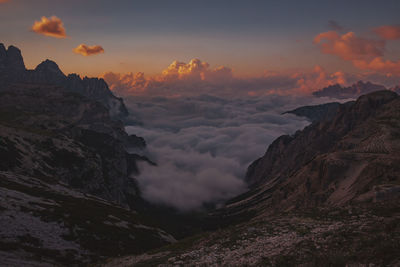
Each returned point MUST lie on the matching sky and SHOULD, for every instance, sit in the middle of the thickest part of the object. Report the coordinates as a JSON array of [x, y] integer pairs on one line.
[[250, 38], [206, 82]]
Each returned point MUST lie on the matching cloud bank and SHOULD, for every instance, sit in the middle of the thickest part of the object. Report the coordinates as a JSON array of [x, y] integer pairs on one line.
[[52, 27], [86, 50], [204, 144], [364, 53], [197, 77]]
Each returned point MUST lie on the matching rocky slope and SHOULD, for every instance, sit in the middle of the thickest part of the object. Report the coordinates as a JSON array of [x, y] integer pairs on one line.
[[44, 222], [12, 70], [349, 159], [364, 235], [353, 91], [67, 181]]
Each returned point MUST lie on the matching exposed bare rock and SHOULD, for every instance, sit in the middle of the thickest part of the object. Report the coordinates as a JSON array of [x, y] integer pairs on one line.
[[352, 158], [47, 131], [45, 223], [346, 236]]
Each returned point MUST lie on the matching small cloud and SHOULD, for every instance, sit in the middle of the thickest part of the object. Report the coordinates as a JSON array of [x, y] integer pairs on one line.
[[333, 25], [52, 27], [388, 32], [365, 54], [348, 46], [86, 50]]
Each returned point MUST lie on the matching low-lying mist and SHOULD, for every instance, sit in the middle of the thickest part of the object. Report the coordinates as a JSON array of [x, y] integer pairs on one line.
[[203, 145]]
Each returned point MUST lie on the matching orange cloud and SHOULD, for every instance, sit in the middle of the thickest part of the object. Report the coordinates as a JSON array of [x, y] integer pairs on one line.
[[196, 78], [52, 26], [132, 83], [186, 76], [194, 70], [316, 79], [388, 32], [379, 64], [365, 54], [86, 50], [348, 46]]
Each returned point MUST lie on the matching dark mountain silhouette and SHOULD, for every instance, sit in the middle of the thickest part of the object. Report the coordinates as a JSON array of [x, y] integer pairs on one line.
[[12, 70]]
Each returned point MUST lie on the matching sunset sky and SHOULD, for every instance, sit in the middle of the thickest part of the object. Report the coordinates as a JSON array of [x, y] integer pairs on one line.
[[249, 37]]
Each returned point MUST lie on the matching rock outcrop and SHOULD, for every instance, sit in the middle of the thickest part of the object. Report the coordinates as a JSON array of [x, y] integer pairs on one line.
[[54, 132], [12, 70]]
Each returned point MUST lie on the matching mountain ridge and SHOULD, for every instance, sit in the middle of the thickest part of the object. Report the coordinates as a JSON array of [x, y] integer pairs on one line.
[[12, 70]]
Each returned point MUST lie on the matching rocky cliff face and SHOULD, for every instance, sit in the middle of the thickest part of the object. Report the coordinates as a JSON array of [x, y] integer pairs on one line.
[[349, 159], [353, 91], [52, 132], [66, 179], [12, 70]]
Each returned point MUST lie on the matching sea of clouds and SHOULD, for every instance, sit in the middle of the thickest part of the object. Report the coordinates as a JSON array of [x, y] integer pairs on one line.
[[203, 144]]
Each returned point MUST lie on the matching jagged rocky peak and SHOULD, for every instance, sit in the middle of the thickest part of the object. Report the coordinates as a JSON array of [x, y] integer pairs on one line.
[[11, 58], [97, 83], [353, 91], [13, 71], [49, 66]]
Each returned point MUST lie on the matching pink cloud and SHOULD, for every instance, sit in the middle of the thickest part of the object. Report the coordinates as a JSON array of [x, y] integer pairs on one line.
[[348, 46], [388, 32], [364, 54], [379, 64]]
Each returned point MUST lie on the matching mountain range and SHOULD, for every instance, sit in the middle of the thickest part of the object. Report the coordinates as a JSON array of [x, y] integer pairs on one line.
[[327, 195], [12, 70]]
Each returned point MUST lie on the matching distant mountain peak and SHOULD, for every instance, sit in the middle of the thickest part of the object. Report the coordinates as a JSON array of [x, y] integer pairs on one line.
[[11, 58], [49, 66], [353, 91]]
